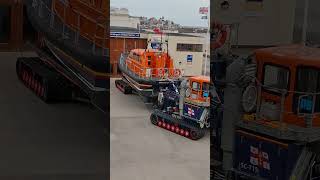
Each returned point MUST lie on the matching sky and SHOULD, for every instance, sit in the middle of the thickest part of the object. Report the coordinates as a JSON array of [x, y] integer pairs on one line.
[[184, 12]]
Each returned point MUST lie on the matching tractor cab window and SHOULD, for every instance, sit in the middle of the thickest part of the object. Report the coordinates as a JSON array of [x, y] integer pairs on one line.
[[196, 86], [307, 81], [205, 89], [275, 78]]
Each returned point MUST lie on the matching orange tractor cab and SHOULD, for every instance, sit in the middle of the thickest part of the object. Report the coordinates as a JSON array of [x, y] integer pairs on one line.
[[269, 123], [287, 92], [199, 89]]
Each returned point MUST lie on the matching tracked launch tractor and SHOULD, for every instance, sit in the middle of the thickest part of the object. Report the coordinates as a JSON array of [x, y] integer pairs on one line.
[[184, 110]]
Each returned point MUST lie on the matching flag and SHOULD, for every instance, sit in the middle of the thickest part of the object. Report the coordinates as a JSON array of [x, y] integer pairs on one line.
[[259, 158], [190, 111], [157, 31], [203, 10]]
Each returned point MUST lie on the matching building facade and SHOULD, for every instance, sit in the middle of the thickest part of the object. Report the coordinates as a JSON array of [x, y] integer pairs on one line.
[[119, 17], [186, 50], [260, 22]]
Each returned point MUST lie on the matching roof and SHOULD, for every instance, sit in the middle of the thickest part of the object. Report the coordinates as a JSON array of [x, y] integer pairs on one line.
[[125, 29], [293, 54], [201, 78]]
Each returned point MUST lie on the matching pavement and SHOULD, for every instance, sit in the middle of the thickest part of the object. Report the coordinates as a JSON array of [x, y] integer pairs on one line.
[[142, 151], [47, 141]]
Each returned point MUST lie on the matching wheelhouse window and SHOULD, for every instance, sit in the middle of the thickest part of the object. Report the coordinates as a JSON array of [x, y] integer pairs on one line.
[[149, 60], [134, 56], [190, 47], [308, 81], [275, 78]]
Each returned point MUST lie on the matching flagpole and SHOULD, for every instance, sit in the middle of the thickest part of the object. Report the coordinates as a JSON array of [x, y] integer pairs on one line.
[[206, 42]]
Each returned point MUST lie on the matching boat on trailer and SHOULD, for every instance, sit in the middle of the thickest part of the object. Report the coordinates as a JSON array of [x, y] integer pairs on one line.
[[74, 43], [75, 31], [143, 68]]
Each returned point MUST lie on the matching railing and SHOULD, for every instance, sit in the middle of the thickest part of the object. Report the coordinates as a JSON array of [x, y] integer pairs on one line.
[[286, 107], [149, 73], [201, 96], [43, 9]]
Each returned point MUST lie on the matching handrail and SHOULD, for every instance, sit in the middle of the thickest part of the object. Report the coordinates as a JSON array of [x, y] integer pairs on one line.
[[40, 5], [150, 73], [281, 110]]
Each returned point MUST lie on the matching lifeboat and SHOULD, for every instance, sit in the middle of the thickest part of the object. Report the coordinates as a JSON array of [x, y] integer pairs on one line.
[[143, 68], [75, 32]]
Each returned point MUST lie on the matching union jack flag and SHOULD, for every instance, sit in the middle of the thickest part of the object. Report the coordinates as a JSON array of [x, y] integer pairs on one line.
[[190, 111], [259, 158]]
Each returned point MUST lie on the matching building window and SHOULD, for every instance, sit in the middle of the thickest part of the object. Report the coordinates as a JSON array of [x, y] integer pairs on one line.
[[190, 47], [307, 81]]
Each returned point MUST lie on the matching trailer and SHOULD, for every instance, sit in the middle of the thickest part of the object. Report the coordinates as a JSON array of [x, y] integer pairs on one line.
[[52, 80], [72, 61]]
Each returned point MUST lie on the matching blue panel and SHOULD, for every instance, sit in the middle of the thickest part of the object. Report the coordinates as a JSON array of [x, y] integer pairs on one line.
[[264, 158], [189, 58], [194, 112]]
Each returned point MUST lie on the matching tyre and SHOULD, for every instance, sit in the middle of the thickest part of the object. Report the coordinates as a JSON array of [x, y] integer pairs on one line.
[[196, 134], [154, 119]]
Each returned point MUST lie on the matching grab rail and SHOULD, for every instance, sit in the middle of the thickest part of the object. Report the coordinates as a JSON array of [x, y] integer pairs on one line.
[[41, 7], [150, 73]]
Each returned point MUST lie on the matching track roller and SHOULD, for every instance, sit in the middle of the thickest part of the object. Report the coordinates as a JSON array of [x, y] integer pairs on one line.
[[123, 87], [180, 127]]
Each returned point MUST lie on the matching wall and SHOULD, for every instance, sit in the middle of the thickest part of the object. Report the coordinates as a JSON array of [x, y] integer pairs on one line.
[[272, 25], [181, 56]]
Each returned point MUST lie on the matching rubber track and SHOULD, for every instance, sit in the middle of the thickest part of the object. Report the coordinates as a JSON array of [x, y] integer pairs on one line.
[[164, 117], [123, 87]]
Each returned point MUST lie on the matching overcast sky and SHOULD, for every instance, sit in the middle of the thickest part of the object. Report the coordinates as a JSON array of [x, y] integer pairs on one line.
[[184, 12]]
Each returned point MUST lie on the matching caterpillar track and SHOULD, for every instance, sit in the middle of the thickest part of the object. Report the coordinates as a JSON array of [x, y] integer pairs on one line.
[[123, 87], [181, 127], [47, 84]]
